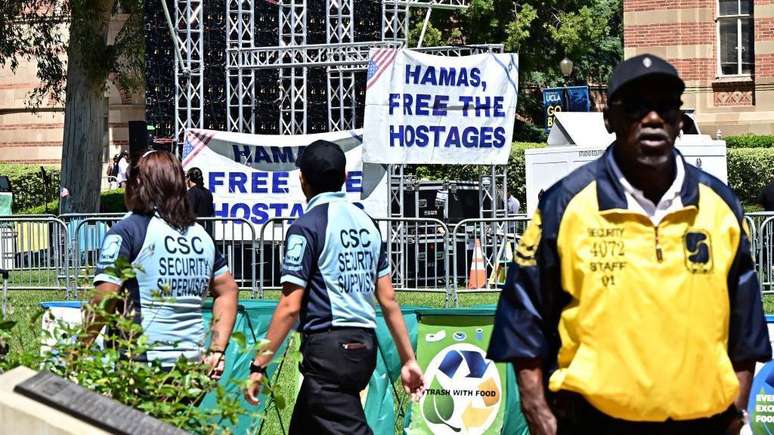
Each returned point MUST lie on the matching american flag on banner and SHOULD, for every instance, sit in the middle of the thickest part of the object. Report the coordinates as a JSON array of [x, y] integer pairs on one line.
[[195, 141], [379, 62]]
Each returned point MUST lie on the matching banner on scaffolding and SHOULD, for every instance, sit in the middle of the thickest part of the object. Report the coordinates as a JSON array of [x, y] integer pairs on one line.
[[424, 109], [255, 177]]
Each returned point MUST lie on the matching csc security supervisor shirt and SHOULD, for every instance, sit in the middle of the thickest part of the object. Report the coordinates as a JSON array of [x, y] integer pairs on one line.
[[334, 251], [643, 319], [173, 273]]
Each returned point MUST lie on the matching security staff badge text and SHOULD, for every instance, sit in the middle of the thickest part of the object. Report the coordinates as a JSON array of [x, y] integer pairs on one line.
[[697, 247]]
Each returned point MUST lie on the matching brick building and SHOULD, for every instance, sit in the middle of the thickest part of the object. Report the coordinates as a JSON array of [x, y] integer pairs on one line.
[[724, 50], [27, 137]]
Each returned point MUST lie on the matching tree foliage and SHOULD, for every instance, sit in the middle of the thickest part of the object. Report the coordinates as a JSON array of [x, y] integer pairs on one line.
[[69, 42], [589, 32], [43, 30]]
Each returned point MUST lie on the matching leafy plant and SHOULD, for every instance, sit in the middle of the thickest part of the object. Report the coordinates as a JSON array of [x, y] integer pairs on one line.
[[116, 369], [750, 141], [29, 189], [749, 170]]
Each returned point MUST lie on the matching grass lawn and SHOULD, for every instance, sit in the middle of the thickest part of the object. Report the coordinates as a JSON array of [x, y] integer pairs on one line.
[[24, 303]]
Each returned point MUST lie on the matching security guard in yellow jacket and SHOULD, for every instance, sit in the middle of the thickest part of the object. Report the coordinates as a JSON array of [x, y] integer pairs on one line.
[[632, 306]]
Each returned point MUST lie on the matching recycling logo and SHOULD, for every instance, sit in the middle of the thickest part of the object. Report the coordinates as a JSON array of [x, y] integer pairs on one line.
[[465, 391]]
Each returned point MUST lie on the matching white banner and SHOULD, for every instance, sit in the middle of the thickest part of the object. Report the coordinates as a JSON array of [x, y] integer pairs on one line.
[[437, 109], [255, 177]]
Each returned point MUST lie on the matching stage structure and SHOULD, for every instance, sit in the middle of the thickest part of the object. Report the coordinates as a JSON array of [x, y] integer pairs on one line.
[[344, 60]]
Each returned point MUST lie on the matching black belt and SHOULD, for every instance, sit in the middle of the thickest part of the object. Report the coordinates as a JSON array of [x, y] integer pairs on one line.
[[337, 328]]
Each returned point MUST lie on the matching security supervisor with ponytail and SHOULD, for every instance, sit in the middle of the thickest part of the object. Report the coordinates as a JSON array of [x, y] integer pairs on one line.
[[177, 268], [632, 305], [334, 265]]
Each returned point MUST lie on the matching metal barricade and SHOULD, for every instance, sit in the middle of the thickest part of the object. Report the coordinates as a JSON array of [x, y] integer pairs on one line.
[[234, 238], [481, 249], [417, 249], [755, 222], [87, 232], [271, 247], [35, 252], [753, 228], [765, 259]]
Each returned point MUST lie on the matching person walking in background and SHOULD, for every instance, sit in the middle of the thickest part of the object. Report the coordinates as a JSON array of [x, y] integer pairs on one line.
[[201, 199], [122, 174], [334, 265], [161, 238], [766, 198], [112, 171], [199, 196], [632, 305]]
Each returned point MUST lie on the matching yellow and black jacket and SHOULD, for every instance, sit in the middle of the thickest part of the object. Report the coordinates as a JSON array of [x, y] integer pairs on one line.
[[644, 321]]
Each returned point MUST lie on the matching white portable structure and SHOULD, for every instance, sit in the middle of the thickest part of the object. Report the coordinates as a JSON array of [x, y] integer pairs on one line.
[[578, 138]]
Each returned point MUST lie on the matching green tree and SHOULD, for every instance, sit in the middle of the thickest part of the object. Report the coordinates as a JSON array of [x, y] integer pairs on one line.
[[589, 32], [68, 40]]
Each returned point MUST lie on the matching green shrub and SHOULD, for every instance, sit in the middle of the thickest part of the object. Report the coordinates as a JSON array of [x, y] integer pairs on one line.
[[111, 201], [524, 132], [749, 170], [750, 141], [27, 184]]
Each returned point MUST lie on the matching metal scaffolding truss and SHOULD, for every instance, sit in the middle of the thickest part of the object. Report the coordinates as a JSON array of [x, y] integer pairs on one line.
[[339, 29], [240, 82], [395, 15], [353, 55], [292, 79], [342, 56], [189, 73], [493, 202]]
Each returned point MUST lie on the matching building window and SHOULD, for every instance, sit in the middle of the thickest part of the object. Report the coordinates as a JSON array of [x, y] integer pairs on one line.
[[735, 37]]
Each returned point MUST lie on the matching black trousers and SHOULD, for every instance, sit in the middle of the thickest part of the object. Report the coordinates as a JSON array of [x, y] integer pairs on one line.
[[576, 416], [337, 365]]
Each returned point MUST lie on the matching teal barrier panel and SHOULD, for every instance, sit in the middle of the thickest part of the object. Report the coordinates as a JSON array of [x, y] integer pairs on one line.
[[253, 318]]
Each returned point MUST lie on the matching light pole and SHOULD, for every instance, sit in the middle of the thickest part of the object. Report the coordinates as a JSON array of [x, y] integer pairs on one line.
[[565, 66]]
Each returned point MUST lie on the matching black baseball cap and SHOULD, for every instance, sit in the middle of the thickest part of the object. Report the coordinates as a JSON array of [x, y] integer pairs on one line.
[[320, 160], [639, 67]]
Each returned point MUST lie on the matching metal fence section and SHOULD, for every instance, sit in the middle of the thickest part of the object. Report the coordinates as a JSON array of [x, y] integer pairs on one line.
[[481, 250], [271, 246], [35, 252], [45, 252], [87, 232], [765, 260], [418, 249], [753, 229], [235, 239]]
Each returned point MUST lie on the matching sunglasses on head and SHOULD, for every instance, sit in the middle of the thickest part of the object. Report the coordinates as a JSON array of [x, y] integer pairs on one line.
[[637, 108]]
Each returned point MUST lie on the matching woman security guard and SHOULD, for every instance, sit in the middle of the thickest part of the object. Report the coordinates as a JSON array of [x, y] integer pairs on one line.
[[173, 252], [334, 265]]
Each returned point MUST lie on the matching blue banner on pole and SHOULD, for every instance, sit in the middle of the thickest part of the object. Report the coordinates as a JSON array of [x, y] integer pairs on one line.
[[553, 101], [578, 99]]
